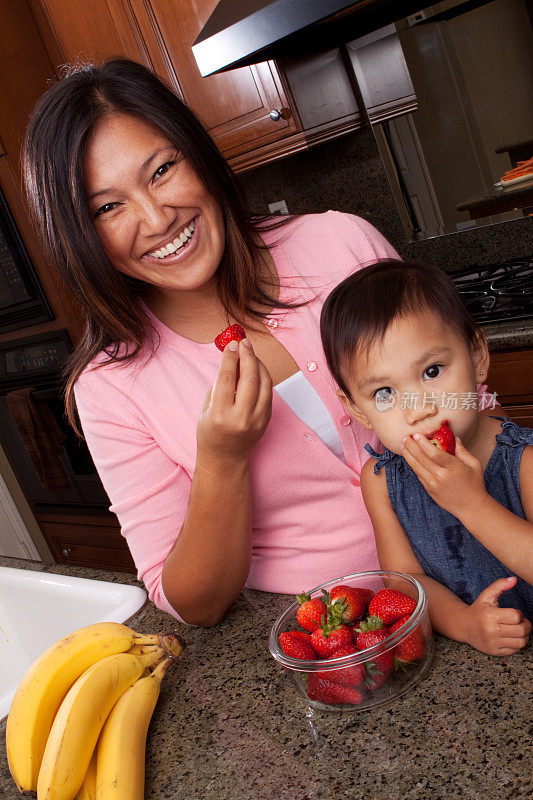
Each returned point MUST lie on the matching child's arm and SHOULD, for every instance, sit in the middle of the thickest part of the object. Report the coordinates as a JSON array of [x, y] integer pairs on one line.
[[456, 484], [485, 626]]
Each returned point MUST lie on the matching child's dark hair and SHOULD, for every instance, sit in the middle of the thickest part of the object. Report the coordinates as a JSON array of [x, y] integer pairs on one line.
[[359, 310]]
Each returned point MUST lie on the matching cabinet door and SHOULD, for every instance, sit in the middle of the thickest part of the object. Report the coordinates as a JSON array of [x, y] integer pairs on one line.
[[511, 377], [234, 106], [86, 542], [81, 31]]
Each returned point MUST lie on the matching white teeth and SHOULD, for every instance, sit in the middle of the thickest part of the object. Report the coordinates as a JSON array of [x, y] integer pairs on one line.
[[178, 242]]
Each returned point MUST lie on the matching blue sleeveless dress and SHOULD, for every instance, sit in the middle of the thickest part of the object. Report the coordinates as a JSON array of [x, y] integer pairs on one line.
[[443, 546]]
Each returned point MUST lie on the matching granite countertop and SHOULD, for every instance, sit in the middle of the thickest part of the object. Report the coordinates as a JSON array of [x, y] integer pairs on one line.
[[509, 335], [230, 725]]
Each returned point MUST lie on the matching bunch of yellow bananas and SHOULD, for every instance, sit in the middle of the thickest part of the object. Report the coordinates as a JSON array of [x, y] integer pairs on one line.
[[77, 725]]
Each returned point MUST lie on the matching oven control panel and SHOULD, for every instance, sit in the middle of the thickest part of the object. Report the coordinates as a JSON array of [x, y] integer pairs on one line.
[[32, 358]]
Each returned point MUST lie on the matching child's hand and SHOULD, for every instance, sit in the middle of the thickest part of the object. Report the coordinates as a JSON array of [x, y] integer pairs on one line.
[[494, 630], [455, 482]]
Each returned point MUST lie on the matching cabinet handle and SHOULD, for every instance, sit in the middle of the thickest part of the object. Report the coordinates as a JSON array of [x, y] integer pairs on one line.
[[275, 114], [66, 551]]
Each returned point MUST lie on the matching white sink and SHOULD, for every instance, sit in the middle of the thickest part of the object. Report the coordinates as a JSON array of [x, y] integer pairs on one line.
[[38, 608]]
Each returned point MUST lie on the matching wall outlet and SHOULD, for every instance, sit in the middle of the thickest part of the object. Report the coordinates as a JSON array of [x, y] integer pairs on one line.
[[280, 206]]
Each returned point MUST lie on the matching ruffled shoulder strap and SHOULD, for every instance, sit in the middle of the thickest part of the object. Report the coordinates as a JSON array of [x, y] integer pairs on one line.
[[512, 434], [381, 458]]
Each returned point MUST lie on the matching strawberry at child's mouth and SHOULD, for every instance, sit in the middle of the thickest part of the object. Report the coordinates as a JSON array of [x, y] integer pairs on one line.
[[443, 438]]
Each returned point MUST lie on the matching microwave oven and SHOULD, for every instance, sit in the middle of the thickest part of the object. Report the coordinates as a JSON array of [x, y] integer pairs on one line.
[[22, 299]]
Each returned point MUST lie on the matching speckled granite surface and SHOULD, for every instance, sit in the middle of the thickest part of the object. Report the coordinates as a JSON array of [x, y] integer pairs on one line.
[[509, 336], [230, 725]]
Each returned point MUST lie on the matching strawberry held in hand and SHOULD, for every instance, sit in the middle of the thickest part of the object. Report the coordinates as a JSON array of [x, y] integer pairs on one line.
[[311, 613], [444, 438], [235, 333], [352, 601], [391, 604]]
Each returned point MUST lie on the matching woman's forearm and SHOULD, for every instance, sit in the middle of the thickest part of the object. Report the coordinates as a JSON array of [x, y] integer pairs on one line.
[[207, 568]]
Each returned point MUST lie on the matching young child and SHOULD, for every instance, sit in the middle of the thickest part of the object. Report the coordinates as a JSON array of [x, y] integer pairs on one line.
[[407, 356]]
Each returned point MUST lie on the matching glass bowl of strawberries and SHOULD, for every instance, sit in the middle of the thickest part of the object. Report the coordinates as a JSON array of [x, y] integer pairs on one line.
[[355, 642]]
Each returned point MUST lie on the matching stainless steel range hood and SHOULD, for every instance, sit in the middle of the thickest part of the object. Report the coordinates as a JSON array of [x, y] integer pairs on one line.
[[241, 32]]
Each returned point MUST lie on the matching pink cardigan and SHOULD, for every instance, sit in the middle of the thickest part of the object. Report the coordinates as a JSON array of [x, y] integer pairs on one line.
[[309, 520]]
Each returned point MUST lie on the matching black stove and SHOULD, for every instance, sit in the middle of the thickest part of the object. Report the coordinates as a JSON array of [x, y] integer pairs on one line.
[[499, 292]]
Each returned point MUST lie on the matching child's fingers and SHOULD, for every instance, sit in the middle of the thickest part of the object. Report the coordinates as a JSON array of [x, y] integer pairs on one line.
[[512, 636], [431, 453], [514, 642], [510, 617], [413, 456], [491, 594], [463, 454], [507, 651], [417, 458]]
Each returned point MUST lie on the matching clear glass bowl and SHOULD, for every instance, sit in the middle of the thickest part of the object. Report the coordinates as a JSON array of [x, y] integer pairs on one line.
[[373, 658]]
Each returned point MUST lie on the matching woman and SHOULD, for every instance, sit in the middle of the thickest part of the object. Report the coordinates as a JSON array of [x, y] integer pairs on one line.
[[142, 219]]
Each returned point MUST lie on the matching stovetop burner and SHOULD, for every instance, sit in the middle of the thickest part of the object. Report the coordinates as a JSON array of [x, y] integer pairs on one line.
[[498, 292]]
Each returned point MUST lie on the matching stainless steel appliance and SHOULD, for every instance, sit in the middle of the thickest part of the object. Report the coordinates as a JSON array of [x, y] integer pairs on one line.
[[501, 292]]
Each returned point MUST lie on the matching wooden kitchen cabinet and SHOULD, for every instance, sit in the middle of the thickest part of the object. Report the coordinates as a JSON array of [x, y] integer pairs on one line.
[[235, 107], [86, 540], [311, 99], [511, 377]]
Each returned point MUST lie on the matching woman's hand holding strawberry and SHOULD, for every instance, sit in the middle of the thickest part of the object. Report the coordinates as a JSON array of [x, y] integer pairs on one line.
[[454, 482], [237, 409], [494, 630]]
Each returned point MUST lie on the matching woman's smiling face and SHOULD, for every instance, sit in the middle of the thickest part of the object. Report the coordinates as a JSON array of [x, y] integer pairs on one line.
[[151, 212]]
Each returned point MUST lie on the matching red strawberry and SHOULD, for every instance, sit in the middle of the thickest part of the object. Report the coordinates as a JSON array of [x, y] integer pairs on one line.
[[329, 692], [293, 644], [330, 637], [370, 632], [378, 671], [413, 648], [444, 438], [348, 676], [391, 604], [352, 600], [311, 612], [235, 333]]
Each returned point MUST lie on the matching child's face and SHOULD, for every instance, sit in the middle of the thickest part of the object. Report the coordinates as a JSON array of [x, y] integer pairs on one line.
[[420, 375]]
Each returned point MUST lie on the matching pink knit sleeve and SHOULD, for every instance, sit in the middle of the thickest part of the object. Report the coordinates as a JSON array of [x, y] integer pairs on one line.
[[367, 243], [149, 493]]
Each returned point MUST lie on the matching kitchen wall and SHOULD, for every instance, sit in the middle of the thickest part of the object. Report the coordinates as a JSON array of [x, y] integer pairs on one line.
[[347, 174]]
